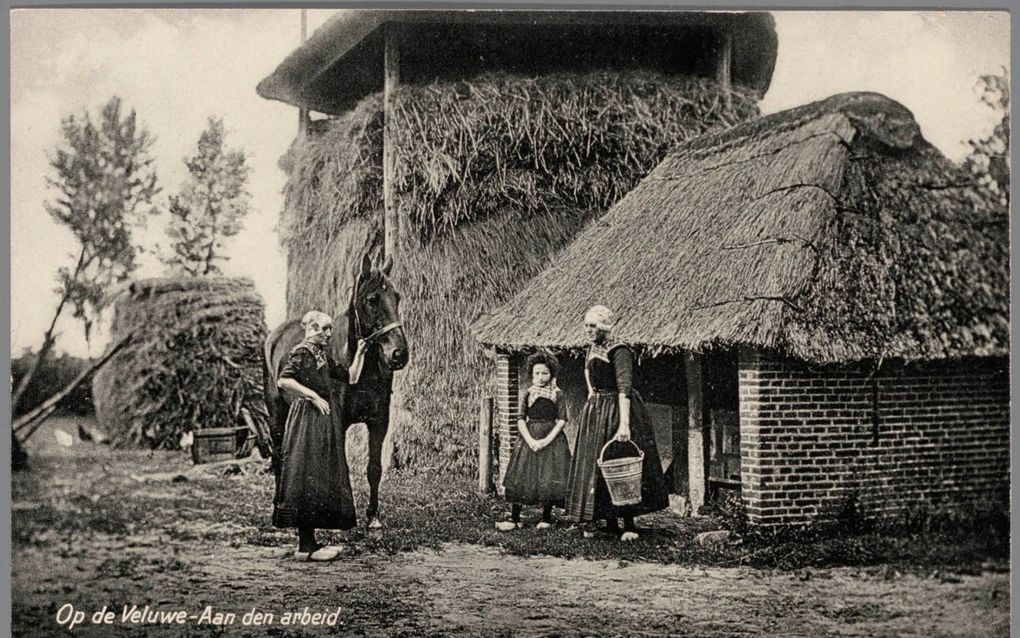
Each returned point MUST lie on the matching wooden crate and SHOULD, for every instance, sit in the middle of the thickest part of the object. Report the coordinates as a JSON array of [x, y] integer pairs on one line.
[[217, 444]]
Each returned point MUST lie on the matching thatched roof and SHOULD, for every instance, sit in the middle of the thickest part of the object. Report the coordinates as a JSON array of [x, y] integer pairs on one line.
[[342, 61], [832, 232]]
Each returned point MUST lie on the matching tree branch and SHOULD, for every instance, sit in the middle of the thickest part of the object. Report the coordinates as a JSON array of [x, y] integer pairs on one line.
[[47, 407], [48, 339]]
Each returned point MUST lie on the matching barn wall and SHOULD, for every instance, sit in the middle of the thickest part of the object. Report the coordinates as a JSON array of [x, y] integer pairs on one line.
[[931, 438]]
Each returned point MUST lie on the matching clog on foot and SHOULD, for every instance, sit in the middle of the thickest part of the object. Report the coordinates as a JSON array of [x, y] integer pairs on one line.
[[320, 555]]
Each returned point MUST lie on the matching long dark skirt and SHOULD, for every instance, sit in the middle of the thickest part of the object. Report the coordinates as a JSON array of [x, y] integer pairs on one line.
[[537, 478], [314, 489], [587, 495]]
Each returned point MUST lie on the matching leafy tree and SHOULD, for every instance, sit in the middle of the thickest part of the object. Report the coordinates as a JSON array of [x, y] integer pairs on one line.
[[989, 157], [211, 205], [105, 185]]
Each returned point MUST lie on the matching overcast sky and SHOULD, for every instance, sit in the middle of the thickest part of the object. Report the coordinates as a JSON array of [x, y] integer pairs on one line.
[[177, 67]]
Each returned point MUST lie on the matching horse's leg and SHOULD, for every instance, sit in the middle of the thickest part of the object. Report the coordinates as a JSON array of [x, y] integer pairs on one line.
[[278, 425], [376, 436]]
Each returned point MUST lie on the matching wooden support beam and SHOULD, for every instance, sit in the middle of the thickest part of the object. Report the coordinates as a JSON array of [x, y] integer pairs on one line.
[[723, 66], [303, 111], [697, 461], [391, 81], [485, 446]]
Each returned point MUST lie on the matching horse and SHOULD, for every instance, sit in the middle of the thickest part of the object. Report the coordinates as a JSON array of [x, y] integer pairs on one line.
[[373, 314]]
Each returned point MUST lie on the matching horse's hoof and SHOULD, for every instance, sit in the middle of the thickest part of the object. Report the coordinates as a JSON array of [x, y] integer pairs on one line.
[[375, 523]]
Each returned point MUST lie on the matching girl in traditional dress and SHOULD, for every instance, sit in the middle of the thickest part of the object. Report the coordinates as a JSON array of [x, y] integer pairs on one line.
[[537, 471], [314, 490], [614, 412]]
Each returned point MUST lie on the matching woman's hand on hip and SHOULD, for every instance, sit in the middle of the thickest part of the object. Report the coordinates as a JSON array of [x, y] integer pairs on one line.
[[320, 404]]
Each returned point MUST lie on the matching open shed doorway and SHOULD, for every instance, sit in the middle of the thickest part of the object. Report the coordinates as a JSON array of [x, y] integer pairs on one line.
[[665, 384], [720, 387], [706, 438]]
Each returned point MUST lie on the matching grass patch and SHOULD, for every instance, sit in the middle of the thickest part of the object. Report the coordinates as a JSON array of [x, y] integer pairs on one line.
[[423, 510]]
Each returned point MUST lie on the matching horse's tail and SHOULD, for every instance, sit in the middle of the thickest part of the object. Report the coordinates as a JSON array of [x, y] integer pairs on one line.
[[276, 402], [268, 383], [271, 362]]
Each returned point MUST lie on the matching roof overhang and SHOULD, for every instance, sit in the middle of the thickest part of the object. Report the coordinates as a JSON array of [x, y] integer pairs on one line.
[[342, 61]]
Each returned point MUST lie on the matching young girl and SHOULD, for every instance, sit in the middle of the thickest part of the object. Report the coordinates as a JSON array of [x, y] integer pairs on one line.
[[540, 463]]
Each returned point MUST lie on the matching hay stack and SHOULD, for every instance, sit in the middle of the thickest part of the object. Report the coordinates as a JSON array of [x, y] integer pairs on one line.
[[494, 176], [195, 362]]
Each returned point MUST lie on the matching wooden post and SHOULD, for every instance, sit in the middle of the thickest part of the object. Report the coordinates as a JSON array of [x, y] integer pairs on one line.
[[697, 465], [679, 426], [722, 69], [303, 111], [391, 80], [485, 446]]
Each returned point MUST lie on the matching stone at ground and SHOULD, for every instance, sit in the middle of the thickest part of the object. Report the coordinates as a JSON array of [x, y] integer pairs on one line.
[[679, 504], [708, 539]]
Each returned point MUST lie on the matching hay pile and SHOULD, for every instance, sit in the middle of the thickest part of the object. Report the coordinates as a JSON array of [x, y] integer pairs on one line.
[[195, 362], [493, 177]]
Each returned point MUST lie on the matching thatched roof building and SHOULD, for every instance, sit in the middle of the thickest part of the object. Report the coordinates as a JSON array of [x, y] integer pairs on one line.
[[830, 232], [343, 60]]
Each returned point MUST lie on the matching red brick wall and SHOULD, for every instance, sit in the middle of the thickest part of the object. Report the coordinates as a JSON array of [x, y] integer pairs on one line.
[[507, 398], [810, 439]]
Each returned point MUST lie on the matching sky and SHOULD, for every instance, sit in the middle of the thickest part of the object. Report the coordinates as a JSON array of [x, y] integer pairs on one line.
[[177, 67]]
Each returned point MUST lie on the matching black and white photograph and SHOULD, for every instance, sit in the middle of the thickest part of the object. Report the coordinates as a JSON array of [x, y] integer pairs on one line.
[[496, 322]]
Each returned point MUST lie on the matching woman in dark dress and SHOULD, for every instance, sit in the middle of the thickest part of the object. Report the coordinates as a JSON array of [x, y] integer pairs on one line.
[[614, 411], [314, 490]]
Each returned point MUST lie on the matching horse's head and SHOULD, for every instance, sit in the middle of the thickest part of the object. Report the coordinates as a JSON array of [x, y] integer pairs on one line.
[[376, 307]]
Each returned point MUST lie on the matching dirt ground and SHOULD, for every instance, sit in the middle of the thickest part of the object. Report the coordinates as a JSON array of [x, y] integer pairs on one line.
[[219, 560]]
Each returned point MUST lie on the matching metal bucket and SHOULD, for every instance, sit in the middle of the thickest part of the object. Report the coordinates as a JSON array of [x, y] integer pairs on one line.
[[623, 475]]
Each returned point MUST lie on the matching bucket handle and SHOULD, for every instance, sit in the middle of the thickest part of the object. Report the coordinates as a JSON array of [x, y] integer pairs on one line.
[[611, 441]]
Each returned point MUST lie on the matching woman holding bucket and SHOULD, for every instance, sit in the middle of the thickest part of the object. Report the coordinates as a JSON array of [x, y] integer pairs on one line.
[[613, 424]]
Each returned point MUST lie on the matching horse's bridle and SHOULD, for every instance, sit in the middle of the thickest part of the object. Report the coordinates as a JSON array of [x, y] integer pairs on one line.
[[390, 327]]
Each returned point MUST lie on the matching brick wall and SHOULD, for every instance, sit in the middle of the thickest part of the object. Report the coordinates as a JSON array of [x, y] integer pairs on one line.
[[507, 397], [910, 437]]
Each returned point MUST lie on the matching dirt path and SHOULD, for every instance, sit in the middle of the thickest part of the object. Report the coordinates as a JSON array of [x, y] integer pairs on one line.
[[470, 590], [87, 535]]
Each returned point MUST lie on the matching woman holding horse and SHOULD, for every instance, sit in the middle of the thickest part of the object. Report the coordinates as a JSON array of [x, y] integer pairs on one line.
[[314, 488], [616, 413]]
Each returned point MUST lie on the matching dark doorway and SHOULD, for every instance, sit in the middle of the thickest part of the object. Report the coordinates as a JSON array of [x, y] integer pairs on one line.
[[721, 374]]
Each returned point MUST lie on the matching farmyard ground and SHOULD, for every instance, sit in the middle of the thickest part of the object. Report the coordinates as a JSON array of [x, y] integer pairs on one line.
[[87, 534]]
